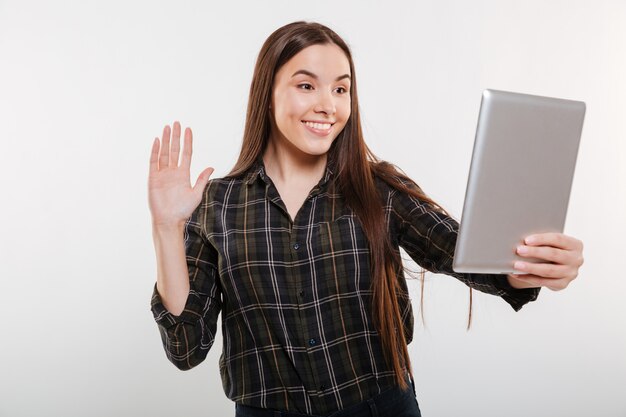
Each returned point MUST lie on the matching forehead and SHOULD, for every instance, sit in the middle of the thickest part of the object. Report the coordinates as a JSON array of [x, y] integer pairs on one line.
[[326, 61]]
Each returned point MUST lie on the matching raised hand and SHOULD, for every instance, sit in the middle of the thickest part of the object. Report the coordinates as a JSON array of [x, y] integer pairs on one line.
[[170, 195], [563, 255]]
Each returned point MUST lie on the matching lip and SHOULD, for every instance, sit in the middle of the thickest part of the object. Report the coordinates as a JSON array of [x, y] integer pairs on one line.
[[319, 121], [318, 132]]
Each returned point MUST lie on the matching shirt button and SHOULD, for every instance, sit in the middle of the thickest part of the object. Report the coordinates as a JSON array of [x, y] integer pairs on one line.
[[301, 293], [312, 342], [322, 387], [296, 246]]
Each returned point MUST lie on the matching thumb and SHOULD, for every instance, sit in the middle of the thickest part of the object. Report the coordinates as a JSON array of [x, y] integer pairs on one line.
[[202, 180]]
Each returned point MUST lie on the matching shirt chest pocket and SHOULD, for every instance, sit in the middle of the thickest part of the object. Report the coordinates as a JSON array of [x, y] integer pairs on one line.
[[342, 255]]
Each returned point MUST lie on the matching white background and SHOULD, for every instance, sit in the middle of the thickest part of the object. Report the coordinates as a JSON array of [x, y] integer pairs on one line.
[[85, 86]]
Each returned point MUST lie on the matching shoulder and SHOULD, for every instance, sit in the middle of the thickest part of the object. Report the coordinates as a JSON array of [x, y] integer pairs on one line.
[[391, 182], [397, 191], [218, 190], [403, 198]]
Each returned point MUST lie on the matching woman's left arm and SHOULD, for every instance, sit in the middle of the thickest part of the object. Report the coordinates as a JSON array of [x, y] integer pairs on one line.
[[564, 256]]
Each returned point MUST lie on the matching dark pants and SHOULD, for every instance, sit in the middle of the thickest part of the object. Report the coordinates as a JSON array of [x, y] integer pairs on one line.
[[390, 403]]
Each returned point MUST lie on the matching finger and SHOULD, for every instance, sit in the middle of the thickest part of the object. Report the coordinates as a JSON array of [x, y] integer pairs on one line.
[[164, 159], [175, 145], [187, 149], [542, 270], [558, 240], [548, 253], [154, 156], [518, 280], [523, 276], [203, 179], [534, 281]]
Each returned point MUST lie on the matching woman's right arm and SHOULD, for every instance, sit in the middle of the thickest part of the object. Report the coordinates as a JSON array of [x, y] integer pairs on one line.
[[186, 298], [172, 273], [172, 200]]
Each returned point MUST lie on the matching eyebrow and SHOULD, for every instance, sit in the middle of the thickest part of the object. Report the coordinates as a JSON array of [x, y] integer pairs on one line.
[[310, 74]]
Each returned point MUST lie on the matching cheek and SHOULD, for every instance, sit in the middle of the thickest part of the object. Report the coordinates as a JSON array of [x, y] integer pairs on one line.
[[296, 105], [345, 111]]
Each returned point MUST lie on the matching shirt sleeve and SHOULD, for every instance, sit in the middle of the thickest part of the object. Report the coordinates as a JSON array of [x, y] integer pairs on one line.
[[429, 238], [188, 337]]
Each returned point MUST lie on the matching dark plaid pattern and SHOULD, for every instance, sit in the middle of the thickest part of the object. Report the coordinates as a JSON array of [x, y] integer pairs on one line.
[[295, 295]]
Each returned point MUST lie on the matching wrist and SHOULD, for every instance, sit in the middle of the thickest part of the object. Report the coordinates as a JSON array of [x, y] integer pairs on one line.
[[168, 228]]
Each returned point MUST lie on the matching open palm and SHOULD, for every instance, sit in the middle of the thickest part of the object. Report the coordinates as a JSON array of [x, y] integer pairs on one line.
[[171, 197]]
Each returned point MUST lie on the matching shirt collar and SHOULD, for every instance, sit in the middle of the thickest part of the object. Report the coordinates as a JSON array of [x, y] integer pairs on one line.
[[258, 170]]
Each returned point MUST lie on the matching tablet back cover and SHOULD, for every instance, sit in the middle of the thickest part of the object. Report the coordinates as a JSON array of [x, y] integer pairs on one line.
[[520, 177]]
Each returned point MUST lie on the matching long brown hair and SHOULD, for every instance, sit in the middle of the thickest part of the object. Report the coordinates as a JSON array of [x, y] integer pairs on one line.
[[356, 167]]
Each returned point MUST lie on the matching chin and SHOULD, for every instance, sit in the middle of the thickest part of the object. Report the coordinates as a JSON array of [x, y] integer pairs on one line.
[[317, 149]]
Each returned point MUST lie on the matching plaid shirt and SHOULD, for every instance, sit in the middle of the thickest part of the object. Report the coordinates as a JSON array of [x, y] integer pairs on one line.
[[295, 295]]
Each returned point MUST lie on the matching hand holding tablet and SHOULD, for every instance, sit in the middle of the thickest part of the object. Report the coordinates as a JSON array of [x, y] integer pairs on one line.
[[563, 255], [519, 185]]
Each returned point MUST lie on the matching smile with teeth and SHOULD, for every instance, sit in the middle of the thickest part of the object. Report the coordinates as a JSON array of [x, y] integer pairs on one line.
[[318, 126]]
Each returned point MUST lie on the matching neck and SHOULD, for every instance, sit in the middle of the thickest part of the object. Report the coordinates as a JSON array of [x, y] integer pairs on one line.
[[287, 164]]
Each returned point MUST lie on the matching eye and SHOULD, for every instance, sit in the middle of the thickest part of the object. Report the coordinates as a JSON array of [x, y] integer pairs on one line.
[[341, 90], [305, 86]]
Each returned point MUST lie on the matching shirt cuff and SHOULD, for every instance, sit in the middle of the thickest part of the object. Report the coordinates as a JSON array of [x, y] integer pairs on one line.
[[166, 319], [517, 298]]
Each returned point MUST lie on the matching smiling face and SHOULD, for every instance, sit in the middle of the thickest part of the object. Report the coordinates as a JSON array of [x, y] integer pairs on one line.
[[311, 100]]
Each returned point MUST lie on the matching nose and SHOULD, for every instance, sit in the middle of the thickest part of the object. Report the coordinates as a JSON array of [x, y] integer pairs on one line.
[[325, 103]]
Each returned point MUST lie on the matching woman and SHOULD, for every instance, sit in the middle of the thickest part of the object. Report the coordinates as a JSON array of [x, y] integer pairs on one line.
[[298, 247]]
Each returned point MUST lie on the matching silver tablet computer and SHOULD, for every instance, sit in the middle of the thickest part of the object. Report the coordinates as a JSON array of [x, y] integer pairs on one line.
[[520, 177]]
